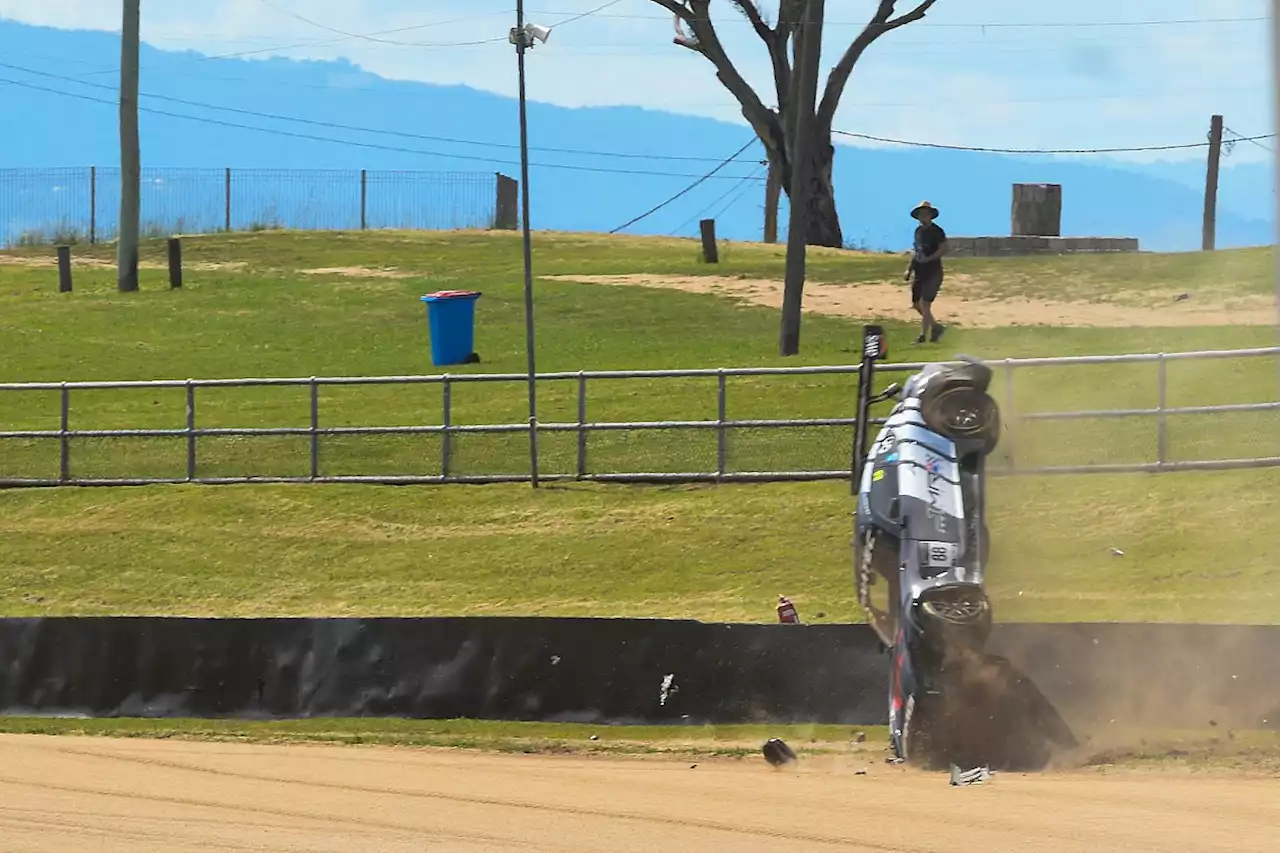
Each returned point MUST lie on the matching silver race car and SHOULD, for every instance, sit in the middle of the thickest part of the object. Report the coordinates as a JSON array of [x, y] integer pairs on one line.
[[920, 562]]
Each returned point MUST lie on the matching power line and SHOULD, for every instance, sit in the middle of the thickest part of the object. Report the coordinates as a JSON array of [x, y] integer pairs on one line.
[[356, 143], [1252, 140], [590, 13], [358, 129], [739, 187], [986, 150], [361, 36], [374, 37], [742, 191], [705, 177], [982, 25]]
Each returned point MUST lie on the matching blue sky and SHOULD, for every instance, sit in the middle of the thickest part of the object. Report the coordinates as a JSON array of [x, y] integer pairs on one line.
[[1006, 73]]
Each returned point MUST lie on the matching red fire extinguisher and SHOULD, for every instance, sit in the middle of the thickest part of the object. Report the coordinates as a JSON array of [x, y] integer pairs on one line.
[[787, 611]]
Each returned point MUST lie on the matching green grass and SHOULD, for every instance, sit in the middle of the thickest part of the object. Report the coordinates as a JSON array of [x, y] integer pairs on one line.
[[1252, 752], [248, 309], [488, 735], [707, 552]]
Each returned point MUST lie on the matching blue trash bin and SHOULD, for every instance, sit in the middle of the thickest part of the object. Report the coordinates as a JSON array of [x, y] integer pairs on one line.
[[451, 316]]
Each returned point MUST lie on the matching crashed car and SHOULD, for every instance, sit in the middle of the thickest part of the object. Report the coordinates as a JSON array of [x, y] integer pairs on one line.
[[920, 558]]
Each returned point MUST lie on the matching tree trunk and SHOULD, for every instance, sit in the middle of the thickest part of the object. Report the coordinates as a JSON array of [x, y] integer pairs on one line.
[[824, 219]]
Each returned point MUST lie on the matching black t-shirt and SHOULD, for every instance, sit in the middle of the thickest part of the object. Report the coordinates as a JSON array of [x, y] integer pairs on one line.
[[927, 240]]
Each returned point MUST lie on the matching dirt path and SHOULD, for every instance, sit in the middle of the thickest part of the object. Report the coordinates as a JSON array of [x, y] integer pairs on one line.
[[61, 794], [962, 302]]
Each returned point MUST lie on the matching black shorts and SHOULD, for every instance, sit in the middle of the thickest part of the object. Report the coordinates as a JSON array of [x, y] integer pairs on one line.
[[925, 285]]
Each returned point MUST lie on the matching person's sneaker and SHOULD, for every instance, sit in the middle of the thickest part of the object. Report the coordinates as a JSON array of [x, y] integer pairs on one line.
[[920, 339], [937, 332]]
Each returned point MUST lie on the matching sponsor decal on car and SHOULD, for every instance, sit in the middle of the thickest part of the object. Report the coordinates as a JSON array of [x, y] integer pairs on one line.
[[933, 466]]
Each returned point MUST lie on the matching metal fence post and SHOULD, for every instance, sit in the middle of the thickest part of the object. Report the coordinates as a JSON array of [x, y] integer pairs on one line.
[[582, 424], [93, 205], [1162, 432], [315, 428], [227, 181], [64, 440], [1010, 417], [722, 437], [446, 419], [364, 198], [191, 430]]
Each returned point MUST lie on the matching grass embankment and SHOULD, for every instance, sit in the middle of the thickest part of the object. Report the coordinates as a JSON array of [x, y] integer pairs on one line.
[[255, 306], [1254, 753]]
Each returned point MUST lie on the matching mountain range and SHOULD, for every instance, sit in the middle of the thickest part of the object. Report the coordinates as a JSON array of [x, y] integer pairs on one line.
[[592, 168]]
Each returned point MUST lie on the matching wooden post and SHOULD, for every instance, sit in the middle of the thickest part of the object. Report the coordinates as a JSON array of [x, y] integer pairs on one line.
[[364, 198], [1037, 210], [227, 182], [93, 205], [506, 215], [709, 252], [772, 191], [1208, 239], [130, 152], [810, 43], [175, 263], [64, 269]]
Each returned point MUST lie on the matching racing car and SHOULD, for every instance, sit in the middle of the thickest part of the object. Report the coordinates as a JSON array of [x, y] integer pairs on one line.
[[921, 547]]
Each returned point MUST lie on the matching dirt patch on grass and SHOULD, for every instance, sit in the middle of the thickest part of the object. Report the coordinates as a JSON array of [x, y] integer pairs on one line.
[[41, 262], [358, 272], [964, 301]]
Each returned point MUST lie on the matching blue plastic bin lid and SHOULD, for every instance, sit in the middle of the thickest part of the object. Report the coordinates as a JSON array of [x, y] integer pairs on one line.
[[451, 294]]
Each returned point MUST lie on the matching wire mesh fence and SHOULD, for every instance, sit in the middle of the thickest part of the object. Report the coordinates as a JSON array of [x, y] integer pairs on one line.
[[1099, 414], [82, 205]]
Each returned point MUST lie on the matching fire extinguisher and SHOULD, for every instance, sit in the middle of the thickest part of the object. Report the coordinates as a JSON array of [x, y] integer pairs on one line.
[[787, 611]]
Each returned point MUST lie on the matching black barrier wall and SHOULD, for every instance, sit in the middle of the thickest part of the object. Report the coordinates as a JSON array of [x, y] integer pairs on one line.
[[603, 670]]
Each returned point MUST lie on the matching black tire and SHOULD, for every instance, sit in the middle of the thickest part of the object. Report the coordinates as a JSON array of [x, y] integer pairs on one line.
[[957, 405]]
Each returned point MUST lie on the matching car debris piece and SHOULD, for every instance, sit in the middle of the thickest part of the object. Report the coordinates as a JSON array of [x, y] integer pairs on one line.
[[973, 776], [777, 753]]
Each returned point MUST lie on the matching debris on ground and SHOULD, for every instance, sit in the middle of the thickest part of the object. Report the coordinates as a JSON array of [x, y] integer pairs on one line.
[[973, 776], [777, 753]]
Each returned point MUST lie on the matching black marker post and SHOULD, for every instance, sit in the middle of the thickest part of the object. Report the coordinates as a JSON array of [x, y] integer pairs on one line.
[[874, 348]]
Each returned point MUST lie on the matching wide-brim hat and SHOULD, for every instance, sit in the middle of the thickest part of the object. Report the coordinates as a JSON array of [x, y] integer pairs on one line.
[[924, 205]]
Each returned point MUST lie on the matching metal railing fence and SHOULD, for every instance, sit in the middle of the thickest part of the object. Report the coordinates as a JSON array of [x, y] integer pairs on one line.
[[575, 462]]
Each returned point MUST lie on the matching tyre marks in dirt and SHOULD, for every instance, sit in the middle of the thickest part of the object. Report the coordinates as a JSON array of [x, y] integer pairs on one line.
[[76, 793]]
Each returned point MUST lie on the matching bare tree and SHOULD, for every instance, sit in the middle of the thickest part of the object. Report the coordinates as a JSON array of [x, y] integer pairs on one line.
[[776, 126]]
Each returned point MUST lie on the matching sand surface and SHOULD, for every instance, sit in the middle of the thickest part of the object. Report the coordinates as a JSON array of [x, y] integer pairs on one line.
[[961, 301], [73, 793]]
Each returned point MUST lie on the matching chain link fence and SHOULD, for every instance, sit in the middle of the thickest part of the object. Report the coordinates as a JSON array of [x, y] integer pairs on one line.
[[82, 205]]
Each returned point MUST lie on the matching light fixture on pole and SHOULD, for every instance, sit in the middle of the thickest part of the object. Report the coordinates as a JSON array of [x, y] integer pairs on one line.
[[523, 35]]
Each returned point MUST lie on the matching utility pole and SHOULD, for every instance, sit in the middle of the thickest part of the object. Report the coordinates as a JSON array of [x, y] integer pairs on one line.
[[1209, 235], [130, 153], [522, 42], [1275, 99], [772, 190], [801, 171]]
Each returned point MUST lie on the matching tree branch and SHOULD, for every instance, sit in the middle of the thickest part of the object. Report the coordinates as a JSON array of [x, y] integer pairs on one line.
[[762, 120], [881, 22], [675, 7], [752, 12]]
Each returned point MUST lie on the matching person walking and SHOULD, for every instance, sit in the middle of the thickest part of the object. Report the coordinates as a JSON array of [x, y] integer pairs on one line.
[[925, 270]]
